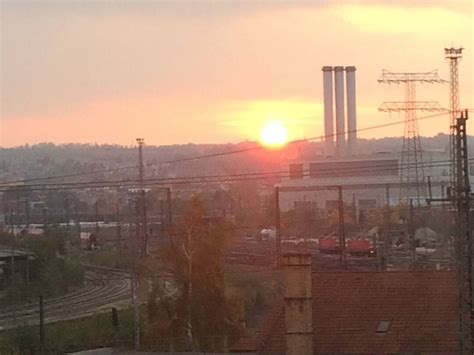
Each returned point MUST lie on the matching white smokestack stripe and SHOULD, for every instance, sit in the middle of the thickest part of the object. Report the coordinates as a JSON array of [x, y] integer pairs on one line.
[[351, 111], [328, 111], [340, 129]]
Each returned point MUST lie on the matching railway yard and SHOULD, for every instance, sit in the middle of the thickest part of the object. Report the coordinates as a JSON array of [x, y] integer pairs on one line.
[[103, 288]]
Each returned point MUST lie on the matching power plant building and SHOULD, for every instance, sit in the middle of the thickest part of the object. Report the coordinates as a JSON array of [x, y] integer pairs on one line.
[[365, 179]]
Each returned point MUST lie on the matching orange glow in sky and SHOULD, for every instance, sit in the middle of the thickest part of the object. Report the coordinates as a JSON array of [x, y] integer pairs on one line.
[[274, 134], [220, 70]]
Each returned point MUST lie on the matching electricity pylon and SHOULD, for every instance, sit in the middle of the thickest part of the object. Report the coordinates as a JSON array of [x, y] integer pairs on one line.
[[411, 166]]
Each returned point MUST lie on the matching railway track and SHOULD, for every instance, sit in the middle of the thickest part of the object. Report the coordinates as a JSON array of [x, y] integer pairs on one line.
[[263, 253], [103, 288]]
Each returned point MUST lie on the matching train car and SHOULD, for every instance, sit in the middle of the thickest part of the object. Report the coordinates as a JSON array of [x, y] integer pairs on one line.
[[329, 244], [360, 247]]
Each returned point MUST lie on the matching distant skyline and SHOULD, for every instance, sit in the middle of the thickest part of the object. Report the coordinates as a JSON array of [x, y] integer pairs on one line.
[[177, 72]]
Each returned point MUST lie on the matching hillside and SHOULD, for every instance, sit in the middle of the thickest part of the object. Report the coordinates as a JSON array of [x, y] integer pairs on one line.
[[48, 159]]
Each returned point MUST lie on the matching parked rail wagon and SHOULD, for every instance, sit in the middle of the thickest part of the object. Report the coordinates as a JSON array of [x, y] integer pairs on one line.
[[360, 247], [329, 244]]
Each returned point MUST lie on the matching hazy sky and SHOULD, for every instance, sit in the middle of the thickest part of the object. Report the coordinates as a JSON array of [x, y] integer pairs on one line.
[[214, 71]]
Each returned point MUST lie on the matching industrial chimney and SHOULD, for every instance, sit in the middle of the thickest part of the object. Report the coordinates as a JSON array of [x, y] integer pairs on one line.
[[340, 129], [351, 111], [328, 111], [298, 304]]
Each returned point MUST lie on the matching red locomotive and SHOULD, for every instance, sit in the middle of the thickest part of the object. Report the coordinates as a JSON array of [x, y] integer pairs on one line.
[[329, 244]]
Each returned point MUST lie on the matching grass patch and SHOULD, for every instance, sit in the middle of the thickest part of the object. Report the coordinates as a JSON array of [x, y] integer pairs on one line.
[[73, 335]]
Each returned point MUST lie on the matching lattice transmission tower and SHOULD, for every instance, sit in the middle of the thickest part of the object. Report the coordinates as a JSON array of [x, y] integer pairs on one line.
[[453, 55], [411, 167]]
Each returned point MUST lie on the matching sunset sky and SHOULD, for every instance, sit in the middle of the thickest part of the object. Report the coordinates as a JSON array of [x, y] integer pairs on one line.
[[214, 71]]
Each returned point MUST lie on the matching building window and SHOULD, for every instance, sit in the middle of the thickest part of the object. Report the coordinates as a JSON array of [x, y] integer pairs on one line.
[[296, 171], [382, 327]]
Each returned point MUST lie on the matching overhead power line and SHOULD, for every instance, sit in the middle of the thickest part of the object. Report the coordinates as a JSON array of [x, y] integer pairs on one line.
[[213, 155], [203, 179], [383, 166], [217, 178]]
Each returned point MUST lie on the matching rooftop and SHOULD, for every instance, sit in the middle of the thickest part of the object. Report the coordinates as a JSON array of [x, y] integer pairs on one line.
[[372, 312]]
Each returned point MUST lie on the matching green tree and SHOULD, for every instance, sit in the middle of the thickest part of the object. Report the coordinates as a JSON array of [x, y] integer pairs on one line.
[[54, 273]]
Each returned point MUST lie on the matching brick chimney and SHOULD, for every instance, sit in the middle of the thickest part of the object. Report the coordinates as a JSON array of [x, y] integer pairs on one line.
[[298, 303]]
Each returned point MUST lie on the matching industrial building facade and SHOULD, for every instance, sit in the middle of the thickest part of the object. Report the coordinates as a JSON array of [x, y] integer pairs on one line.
[[364, 181]]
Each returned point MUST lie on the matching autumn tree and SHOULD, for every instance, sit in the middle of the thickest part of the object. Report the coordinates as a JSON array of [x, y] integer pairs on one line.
[[194, 316]]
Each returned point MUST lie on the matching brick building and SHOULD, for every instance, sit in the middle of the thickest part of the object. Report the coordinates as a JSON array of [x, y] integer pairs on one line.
[[410, 312]]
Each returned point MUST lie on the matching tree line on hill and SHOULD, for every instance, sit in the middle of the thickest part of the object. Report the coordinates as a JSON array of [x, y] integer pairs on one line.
[[48, 159]]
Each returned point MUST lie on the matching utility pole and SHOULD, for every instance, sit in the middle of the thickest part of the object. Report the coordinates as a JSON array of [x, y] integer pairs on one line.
[[430, 191], [136, 313], [45, 219], [170, 211], [141, 247], [137, 228], [96, 211], [342, 235], [411, 235], [465, 247], [12, 264], [41, 324], [443, 196], [119, 224], [18, 208], [140, 142], [78, 222], [385, 235], [460, 196], [134, 281], [145, 225], [277, 225], [189, 257], [142, 227], [27, 212], [354, 208], [162, 217], [453, 55], [67, 215]]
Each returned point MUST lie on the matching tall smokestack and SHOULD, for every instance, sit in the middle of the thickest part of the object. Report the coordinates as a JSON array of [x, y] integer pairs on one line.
[[340, 129], [328, 111], [351, 111], [298, 304]]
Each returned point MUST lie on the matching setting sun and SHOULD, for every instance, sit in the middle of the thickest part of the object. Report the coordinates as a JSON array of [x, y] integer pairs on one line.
[[274, 133]]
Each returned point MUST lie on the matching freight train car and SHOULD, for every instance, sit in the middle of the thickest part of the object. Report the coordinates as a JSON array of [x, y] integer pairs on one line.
[[360, 247], [356, 247], [329, 244]]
